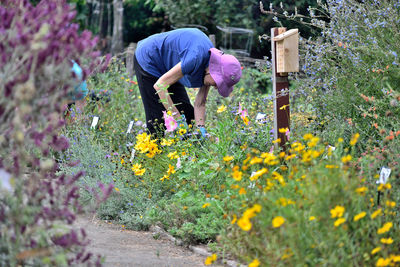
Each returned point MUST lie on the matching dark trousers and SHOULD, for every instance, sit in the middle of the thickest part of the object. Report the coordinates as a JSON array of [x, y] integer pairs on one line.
[[151, 101]]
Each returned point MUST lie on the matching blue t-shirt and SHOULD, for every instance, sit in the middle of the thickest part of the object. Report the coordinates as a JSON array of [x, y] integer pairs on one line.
[[158, 53], [80, 90]]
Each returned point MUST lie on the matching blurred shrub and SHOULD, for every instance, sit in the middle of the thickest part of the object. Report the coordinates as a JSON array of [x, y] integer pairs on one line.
[[37, 45], [354, 63]]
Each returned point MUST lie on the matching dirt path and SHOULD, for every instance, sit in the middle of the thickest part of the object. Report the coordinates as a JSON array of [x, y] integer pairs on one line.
[[123, 248]]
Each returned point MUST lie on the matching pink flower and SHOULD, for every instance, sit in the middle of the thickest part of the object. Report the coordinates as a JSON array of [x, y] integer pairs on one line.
[[242, 112], [170, 122], [287, 133]]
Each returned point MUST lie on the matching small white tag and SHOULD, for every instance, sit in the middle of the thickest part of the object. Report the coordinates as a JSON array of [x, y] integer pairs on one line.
[[132, 155], [260, 116], [129, 127], [178, 163], [94, 122], [5, 180], [384, 175], [251, 185]]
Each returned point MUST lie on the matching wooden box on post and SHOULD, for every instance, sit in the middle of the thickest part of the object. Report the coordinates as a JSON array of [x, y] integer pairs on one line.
[[287, 51]]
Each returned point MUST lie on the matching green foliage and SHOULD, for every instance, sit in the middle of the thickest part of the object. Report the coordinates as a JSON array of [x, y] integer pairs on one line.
[[141, 19], [236, 186], [354, 66], [242, 14]]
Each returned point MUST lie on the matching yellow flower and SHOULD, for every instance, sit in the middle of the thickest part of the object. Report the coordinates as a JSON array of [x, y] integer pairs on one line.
[[171, 169], [390, 204], [254, 263], [340, 140], [359, 216], [283, 130], [346, 159], [210, 259], [245, 120], [278, 221], [395, 258], [173, 155], [269, 158], [251, 212], [244, 223], [382, 187], [276, 141], [387, 241], [257, 207], [137, 169], [116, 189], [237, 175], [337, 212], [182, 131], [242, 191], [234, 219], [385, 228], [221, 108], [308, 136], [313, 142], [257, 174], [255, 160], [361, 190], [228, 158], [206, 205], [354, 139], [376, 213], [283, 107], [164, 178], [376, 250], [383, 262], [122, 161], [312, 218], [331, 166], [339, 222]]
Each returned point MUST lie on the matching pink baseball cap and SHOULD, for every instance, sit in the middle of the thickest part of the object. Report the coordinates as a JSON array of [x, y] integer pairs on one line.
[[225, 70]]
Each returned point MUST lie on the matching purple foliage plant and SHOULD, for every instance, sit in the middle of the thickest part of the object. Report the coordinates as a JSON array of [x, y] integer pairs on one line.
[[38, 203]]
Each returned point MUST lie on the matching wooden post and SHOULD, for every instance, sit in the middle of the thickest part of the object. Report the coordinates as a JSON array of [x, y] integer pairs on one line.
[[130, 53], [280, 93]]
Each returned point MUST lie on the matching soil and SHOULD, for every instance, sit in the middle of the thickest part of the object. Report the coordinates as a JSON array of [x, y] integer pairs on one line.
[[123, 248]]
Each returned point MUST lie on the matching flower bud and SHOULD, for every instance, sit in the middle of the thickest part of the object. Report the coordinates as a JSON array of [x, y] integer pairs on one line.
[[26, 91], [46, 165], [19, 137]]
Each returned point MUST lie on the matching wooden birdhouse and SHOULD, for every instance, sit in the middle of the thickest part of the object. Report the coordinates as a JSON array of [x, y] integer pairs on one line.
[[287, 51]]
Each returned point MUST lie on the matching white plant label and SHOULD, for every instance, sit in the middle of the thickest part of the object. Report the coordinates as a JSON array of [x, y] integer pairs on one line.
[[129, 127], [94, 122], [132, 155], [384, 175], [5, 180], [260, 116]]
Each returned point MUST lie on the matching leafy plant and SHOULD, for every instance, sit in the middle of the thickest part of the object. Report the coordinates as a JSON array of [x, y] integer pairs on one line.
[[36, 202]]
